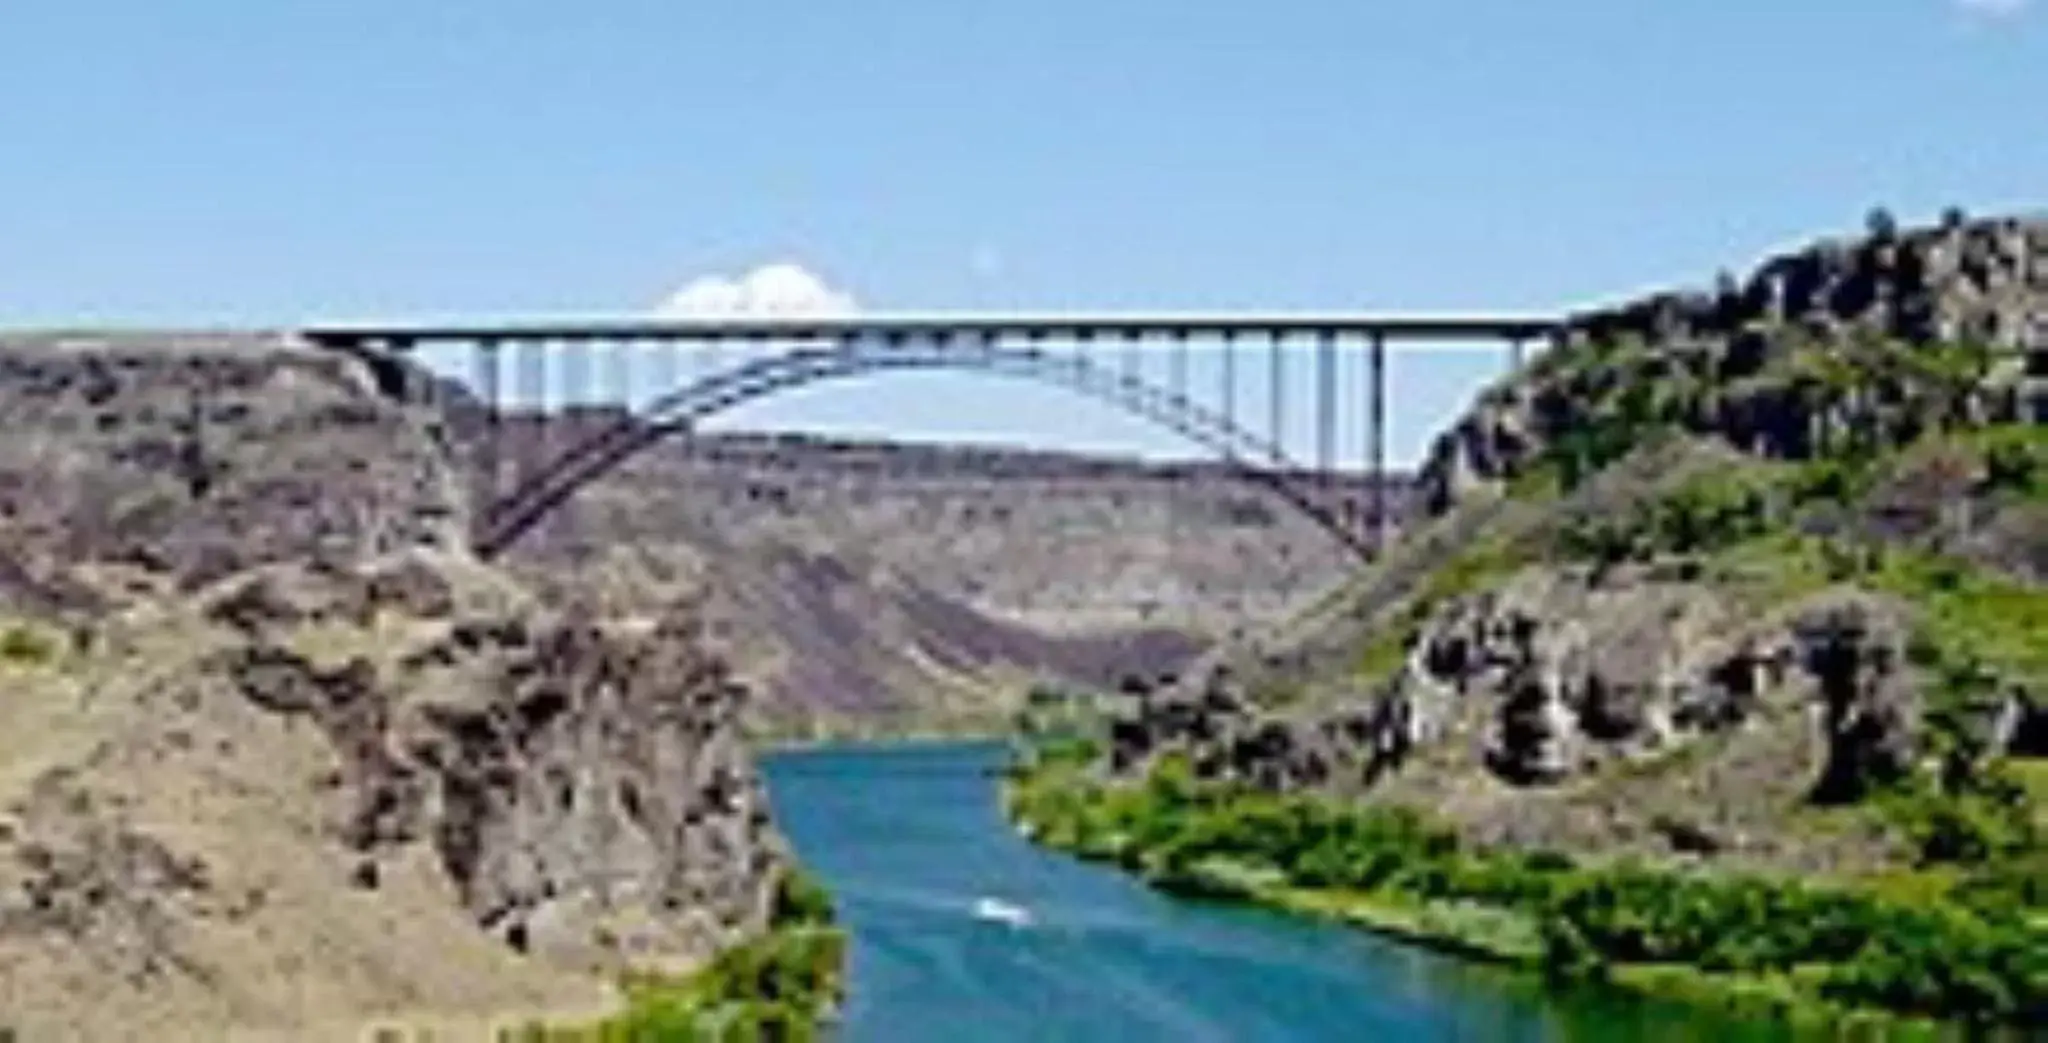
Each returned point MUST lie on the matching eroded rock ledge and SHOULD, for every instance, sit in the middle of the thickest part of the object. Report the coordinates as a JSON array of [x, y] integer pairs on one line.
[[583, 786]]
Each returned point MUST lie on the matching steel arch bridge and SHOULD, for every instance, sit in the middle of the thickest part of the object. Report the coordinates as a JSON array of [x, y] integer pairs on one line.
[[1059, 349]]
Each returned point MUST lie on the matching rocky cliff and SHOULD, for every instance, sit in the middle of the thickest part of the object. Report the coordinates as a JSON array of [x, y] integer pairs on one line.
[[1752, 576], [307, 797], [196, 454], [1726, 362]]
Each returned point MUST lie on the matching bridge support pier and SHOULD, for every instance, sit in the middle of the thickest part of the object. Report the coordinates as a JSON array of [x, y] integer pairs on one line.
[[1376, 439]]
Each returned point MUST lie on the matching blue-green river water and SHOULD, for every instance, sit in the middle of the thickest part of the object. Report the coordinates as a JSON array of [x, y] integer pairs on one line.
[[910, 838]]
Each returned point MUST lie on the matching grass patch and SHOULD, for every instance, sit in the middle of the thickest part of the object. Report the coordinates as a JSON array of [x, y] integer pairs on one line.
[[1829, 949], [782, 986], [1470, 570]]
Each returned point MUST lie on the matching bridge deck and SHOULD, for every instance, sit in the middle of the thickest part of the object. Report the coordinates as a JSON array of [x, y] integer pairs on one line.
[[1445, 326]]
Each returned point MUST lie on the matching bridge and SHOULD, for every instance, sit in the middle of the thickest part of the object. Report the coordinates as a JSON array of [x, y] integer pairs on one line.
[[524, 473]]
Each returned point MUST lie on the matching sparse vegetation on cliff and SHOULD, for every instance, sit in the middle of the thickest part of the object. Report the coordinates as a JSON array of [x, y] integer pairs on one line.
[[782, 986]]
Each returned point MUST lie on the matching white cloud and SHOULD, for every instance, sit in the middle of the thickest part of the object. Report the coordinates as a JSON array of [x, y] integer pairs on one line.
[[1991, 9], [772, 289]]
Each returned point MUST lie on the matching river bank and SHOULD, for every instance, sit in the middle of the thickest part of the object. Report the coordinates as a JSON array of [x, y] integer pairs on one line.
[[1543, 916], [910, 839]]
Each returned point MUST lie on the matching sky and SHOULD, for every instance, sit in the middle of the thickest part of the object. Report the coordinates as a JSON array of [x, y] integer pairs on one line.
[[219, 162]]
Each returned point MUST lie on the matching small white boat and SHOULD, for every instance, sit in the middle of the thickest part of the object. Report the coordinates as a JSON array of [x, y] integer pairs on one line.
[[999, 911]]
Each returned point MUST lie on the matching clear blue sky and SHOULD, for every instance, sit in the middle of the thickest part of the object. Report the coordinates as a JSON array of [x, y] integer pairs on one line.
[[213, 161]]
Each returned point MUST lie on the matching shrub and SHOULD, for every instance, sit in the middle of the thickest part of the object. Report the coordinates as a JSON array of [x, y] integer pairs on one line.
[[1936, 956], [800, 901], [25, 644]]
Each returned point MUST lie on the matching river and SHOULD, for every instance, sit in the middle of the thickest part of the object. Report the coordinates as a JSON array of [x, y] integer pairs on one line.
[[908, 839]]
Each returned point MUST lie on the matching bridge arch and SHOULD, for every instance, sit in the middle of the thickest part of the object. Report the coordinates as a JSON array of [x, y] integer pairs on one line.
[[1254, 460]]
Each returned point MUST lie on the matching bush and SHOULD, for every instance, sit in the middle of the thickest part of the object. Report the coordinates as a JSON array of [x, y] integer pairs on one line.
[[1939, 957], [27, 645], [800, 901], [777, 987]]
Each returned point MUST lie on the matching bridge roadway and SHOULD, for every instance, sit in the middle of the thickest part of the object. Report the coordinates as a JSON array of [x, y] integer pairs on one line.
[[1449, 326]]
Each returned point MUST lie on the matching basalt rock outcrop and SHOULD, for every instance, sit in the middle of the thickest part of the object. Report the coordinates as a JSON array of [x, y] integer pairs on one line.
[[1550, 676], [1631, 713], [315, 797], [586, 791], [1711, 361], [198, 455]]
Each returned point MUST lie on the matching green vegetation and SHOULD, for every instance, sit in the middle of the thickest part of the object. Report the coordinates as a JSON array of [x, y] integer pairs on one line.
[[1062, 722], [1470, 569], [1977, 635], [1810, 950], [1960, 936], [25, 644], [1622, 478], [780, 986]]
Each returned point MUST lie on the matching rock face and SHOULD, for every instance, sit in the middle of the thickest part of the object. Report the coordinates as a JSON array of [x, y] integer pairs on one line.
[[200, 454], [1552, 673], [1855, 651], [835, 634], [326, 795], [1980, 281], [1517, 706], [586, 791]]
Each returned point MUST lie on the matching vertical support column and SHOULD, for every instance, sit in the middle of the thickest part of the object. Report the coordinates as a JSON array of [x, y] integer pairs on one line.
[[1515, 354], [1177, 366], [929, 468], [1376, 437], [618, 377], [1229, 378], [711, 354], [490, 432], [530, 375], [668, 370], [575, 391], [1326, 413], [1276, 384], [1180, 477], [1134, 340]]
